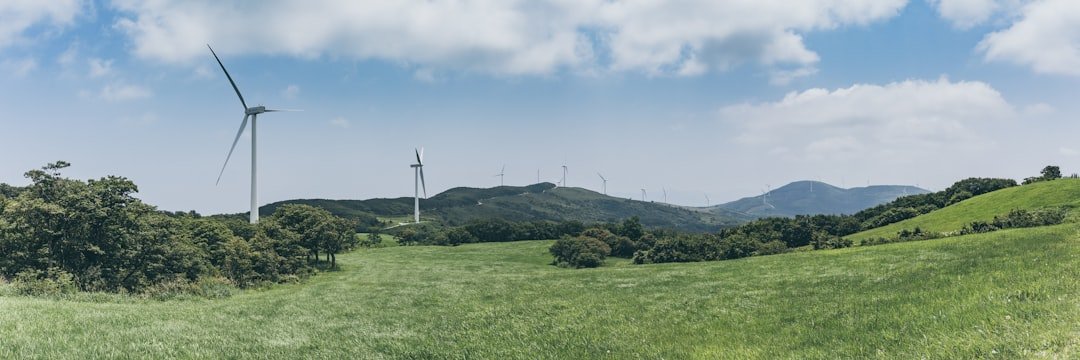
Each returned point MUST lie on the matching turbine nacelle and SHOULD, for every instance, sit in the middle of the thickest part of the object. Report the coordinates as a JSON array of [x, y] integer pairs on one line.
[[255, 110]]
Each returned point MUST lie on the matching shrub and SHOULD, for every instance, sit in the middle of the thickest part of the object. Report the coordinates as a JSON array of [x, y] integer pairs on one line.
[[53, 282], [579, 252], [771, 248], [371, 240]]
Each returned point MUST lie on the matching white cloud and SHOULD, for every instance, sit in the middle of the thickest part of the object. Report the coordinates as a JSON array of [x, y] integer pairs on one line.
[[340, 122], [99, 67], [291, 92], [18, 16], [873, 120], [1045, 37], [965, 14], [20, 67], [688, 38], [124, 92]]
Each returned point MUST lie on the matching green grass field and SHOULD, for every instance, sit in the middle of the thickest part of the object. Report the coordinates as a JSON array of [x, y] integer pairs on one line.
[[1008, 294], [1057, 193]]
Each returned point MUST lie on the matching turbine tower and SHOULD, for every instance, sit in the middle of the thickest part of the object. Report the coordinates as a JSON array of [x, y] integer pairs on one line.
[[253, 113], [643, 193], [605, 182], [418, 181], [665, 194], [501, 174], [707, 202], [564, 170]]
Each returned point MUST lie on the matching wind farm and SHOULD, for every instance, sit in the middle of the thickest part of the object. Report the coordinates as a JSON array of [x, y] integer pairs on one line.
[[962, 242]]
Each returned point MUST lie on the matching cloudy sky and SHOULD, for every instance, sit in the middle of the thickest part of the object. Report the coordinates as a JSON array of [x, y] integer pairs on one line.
[[696, 96]]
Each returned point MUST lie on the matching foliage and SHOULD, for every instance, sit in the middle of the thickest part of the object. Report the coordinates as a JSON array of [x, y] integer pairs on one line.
[[579, 252], [1048, 173], [97, 236]]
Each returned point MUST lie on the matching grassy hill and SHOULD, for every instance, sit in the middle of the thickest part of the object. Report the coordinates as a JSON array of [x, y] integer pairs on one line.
[[815, 197], [530, 203], [1063, 192], [1008, 294]]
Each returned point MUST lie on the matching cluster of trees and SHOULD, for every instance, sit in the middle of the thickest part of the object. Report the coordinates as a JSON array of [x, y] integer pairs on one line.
[[1048, 173], [486, 230], [1018, 218], [777, 235], [98, 237]]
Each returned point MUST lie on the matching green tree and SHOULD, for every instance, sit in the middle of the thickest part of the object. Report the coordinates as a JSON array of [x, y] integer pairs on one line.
[[1051, 173]]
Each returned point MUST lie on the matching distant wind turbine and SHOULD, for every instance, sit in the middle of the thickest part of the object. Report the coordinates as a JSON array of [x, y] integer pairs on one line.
[[707, 202], [665, 194], [252, 112], [501, 174], [418, 181], [564, 171], [605, 182], [642, 194]]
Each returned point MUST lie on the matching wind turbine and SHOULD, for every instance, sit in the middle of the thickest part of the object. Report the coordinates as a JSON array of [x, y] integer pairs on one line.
[[501, 175], [253, 113], [665, 194], [418, 181], [564, 170], [707, 202], [605, 182], [642, 193]]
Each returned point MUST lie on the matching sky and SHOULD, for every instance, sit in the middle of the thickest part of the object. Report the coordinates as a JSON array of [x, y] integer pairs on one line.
[[695, 97]]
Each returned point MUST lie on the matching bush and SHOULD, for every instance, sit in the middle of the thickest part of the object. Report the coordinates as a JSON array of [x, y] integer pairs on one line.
[[53, 282], [371, 240], [579, 252]]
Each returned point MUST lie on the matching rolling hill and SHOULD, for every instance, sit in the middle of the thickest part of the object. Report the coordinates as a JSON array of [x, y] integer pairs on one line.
[[1010, 294], [1057, 193], [542, 201], [815, 197]]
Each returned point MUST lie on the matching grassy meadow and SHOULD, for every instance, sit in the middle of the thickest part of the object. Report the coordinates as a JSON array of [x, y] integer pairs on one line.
[[1008, 294], [1058, 193]]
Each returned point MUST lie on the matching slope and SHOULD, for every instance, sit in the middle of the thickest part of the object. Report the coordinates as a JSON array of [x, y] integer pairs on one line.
[[814, 197], [536, 202], [1057, 193], [1009, 294]]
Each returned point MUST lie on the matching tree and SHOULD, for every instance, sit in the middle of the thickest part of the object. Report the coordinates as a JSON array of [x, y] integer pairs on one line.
[[579, 252], [1051, 173]]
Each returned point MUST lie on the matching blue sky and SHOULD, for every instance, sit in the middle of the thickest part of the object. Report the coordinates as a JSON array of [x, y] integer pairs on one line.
[[699, 97]]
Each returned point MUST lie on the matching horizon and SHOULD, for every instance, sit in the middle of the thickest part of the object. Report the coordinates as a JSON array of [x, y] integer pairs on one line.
[[917, 93]]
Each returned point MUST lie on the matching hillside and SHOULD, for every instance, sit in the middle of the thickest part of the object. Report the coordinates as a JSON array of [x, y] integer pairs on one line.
[[1057, 193], [1009, 294], [536, 202], [815, 197]]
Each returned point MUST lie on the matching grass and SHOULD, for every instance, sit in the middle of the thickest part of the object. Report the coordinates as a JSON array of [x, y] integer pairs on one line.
[[1008, 294], [1057, 193]]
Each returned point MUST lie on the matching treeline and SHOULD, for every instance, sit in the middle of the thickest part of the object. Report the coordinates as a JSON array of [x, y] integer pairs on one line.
[[60, 234], [486, 230], [777, 235]]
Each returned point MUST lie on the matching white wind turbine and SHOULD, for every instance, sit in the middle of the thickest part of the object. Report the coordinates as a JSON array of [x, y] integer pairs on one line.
[[605, 182], [643, 193], [707, 202], [665, 194], [253, 113], [418, 181], [501, 175], [564, 170]]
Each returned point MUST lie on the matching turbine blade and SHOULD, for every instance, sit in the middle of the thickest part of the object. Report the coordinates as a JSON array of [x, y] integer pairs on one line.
[[422, 183], [243, 124], [282, 110], [419, 156], [229, 77], [503, 171]]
